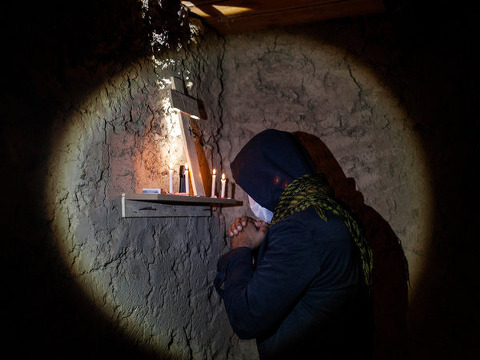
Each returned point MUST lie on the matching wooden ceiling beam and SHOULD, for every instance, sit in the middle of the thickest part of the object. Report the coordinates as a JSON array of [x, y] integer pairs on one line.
[[274, 13]]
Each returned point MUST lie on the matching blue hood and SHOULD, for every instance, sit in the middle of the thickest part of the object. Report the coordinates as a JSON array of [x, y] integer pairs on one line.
[[268, 163]]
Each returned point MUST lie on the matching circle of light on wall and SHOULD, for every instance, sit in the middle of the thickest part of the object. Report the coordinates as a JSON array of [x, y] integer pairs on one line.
[[120, 139]]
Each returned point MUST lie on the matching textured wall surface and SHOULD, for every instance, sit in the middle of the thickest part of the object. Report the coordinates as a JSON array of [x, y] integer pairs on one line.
[[298, 81], [384, 105], [153, 276]]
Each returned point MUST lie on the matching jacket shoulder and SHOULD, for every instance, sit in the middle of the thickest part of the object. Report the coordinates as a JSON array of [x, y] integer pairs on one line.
[[310, 222]]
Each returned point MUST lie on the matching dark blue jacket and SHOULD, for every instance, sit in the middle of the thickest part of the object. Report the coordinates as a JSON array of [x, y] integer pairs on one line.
[[305, 297]]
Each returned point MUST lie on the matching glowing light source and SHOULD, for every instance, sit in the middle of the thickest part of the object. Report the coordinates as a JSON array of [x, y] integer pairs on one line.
[[195, 9], [187, 185], [223, 180], [170, 173], [214, 178], [223, 9], [231, 10]]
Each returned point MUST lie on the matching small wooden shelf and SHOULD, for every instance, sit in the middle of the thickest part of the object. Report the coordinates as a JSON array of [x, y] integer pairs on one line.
[[168, 205]]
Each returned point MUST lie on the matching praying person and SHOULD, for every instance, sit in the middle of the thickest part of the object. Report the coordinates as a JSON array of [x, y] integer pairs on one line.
[[298, 277]]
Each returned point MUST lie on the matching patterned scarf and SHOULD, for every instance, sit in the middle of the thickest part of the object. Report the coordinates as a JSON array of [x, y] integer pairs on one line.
[[314, 190]]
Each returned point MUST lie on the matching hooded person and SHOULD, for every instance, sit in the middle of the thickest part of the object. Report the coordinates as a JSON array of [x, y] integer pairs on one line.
[[297, 280]]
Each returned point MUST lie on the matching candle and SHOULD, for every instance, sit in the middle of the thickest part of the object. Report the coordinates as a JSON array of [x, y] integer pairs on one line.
[[187, 187], [214, 177], [170, 189], [223, 180]]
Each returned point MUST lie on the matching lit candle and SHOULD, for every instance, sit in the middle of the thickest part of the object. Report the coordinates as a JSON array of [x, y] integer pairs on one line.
[[214, 177], [171, 180], [223, 180], [187, 187]]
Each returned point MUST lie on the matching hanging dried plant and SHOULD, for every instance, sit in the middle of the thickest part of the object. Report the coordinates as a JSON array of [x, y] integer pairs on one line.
[[167, 25]]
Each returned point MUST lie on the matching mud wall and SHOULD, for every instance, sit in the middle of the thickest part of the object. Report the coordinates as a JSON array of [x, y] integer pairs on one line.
[[375, 101]]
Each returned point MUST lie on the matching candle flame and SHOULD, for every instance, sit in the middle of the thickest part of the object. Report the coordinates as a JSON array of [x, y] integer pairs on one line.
[[214, 171], [223, 176], [186, 166]]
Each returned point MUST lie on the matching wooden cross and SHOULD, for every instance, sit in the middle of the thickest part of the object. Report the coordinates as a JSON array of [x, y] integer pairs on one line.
[[188, 109]]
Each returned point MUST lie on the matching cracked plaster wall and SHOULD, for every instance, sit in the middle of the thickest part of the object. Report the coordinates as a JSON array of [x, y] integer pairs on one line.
[[307, 80], [152, 277], [141, 288]]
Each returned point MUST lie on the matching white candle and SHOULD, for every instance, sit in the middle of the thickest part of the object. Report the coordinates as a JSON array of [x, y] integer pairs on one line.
[[187, 187], [214, 177], [170, 189], [223, 180]]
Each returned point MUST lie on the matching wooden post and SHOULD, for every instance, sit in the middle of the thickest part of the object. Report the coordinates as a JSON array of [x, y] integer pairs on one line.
[[187, 109]]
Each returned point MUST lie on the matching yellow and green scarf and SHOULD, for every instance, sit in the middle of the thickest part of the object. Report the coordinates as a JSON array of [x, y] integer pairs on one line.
[[314, 190]]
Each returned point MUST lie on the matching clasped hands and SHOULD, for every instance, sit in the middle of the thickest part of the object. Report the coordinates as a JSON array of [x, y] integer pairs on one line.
[[247, 232]]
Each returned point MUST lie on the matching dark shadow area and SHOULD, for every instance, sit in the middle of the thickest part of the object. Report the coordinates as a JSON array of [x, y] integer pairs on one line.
[[438, 82], [54, 54], [425, 52], [390, 292], [60, 322]]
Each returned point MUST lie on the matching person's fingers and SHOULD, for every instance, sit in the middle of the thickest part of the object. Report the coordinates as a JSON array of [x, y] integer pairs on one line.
[[244, 220], [233, 229], [238, 225], [263, 228], [255, 234], [262, 225], [241, 222]]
